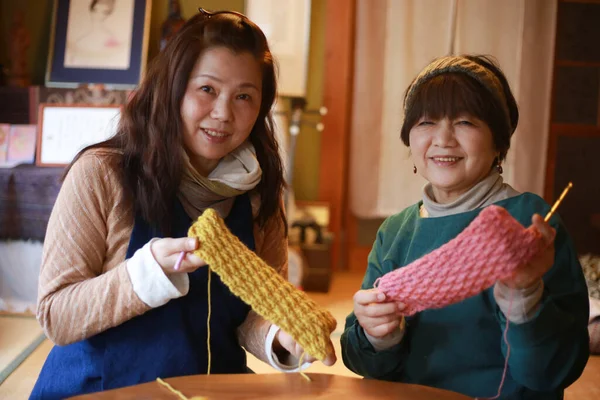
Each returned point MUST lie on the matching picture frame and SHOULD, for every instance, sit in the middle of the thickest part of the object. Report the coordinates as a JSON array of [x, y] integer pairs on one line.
[[65, 129], [17, 144], [21, 144], [4, 139], [98, 42], [286, 25]]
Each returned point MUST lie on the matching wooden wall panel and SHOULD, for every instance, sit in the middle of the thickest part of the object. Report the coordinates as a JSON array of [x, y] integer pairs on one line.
[[337, 97]]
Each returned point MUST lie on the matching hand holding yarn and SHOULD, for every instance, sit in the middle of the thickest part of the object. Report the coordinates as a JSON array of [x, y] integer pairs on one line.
[[492, 248], [261, 287], [378, 315], [169, 253], [287, 342], [534, 270]]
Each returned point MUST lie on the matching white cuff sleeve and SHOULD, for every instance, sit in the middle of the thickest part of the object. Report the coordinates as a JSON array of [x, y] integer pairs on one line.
[[272, 357], [389, 340], [525, 302], [150, 282]]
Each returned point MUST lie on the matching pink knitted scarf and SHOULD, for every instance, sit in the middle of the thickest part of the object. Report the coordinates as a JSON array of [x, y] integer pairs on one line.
[[491, 248]]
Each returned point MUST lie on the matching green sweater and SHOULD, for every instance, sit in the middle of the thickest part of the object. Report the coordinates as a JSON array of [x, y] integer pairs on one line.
[[460, 347]]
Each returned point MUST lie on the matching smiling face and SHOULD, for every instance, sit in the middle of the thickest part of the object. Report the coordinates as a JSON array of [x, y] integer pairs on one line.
[[220, 106], [452, 154], [456, 130]]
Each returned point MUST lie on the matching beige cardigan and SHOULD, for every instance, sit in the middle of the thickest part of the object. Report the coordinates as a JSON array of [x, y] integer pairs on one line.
[[84, 286]]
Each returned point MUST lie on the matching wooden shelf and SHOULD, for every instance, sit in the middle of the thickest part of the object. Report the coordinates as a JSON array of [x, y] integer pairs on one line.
[[574, 132], [580, 1], [569, 63], [578, 130]]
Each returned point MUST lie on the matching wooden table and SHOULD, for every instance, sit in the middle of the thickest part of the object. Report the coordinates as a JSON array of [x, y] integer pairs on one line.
[[277, 386]]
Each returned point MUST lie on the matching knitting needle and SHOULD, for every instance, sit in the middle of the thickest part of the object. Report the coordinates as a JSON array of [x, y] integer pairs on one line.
[[557, 203]]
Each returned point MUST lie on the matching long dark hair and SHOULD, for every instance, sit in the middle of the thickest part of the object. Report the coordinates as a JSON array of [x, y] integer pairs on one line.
[[150, 133]]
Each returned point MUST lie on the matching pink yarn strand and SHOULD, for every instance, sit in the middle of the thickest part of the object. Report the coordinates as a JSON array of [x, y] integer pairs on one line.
[[505, 335]]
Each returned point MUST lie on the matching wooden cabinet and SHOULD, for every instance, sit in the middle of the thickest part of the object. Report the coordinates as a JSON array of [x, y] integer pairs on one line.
[[574, 141], [18, 105]]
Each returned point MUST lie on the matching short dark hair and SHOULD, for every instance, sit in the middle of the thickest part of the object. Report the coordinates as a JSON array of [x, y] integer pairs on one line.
[[454, 93]]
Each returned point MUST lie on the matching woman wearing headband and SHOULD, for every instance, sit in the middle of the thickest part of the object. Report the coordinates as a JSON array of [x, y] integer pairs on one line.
[[459, 116]]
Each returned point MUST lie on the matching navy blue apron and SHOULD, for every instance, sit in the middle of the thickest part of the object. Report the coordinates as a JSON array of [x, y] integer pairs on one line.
[[164, 342]]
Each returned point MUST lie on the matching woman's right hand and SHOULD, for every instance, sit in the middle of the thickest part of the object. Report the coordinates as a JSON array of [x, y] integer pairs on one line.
[[377, 316], [166, 251]]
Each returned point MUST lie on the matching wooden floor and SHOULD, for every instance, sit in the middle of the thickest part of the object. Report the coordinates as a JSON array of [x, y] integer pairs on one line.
[[587, 386], [16, 333], [339, 300]]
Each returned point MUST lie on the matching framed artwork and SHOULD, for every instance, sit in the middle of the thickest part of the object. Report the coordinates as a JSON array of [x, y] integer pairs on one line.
[[286, 24], [21, 144], [98, 42], [17, 144], [65, 129], [4, 137]]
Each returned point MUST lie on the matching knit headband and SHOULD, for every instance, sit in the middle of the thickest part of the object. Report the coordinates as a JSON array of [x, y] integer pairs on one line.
[[458, 64]]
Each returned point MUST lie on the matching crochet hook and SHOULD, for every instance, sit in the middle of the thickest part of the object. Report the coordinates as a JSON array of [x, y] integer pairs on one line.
[[179, 260], [557, 203]]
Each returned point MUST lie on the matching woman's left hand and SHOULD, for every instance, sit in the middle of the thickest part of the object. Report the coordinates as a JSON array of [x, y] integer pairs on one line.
[[530, 274], [289, 344]]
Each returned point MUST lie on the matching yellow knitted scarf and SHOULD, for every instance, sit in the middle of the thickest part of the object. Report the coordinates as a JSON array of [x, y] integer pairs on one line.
[[261, 287]]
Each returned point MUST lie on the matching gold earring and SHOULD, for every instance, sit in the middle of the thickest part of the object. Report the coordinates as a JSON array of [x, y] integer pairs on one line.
[[414, 169]]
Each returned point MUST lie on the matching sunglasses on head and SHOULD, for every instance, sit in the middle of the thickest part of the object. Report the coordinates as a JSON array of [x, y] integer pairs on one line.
[[209, 14]]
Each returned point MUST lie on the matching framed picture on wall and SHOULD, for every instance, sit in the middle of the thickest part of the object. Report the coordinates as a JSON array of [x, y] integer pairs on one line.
[[286, 24], [17, 144], [98, 42], [21, 144], [65, 129], [4, 137]]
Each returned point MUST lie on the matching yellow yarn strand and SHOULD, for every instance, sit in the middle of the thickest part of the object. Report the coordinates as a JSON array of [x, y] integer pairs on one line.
[[169, 387], [177, 393], [261, 287], [300, 366], [208, 326]]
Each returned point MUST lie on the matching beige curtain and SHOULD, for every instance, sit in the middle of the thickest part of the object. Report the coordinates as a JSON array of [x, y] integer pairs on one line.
[[396, 39]]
